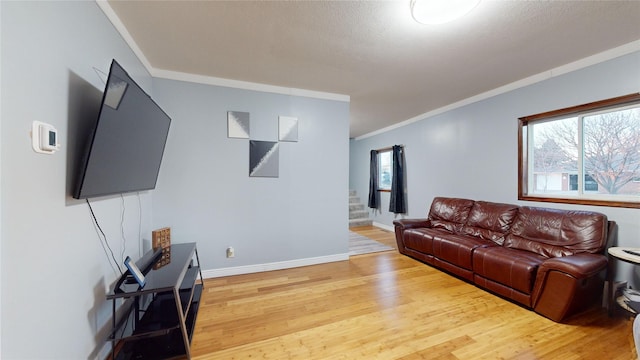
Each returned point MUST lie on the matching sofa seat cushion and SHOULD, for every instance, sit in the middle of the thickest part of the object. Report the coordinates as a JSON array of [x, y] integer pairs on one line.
[[490, 221], [449, 213], [458, 249], [513, 268]]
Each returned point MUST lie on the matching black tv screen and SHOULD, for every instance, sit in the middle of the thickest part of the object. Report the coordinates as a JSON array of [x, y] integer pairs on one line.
[[125, 149]]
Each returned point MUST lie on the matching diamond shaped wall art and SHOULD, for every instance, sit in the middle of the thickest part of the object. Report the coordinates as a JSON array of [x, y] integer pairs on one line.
[[287, 128], [238, 124], [263, 158]]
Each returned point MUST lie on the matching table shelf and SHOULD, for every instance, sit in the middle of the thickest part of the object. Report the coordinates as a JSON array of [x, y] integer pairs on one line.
[[625, 254], [158, 319]]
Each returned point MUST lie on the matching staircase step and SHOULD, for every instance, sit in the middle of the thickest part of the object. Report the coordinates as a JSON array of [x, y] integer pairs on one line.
[[358, 215], [356, 207], [360, 222], [361, 214]]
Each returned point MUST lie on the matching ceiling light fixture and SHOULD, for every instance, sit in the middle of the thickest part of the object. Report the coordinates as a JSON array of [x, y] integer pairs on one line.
[[440, 11]]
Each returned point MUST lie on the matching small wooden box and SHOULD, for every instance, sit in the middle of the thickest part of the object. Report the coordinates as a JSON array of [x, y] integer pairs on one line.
[[161, 238]]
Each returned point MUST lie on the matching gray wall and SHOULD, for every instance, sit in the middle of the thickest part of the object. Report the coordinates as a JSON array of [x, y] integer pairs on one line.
[[205, 193], [472, 151], [54, 270]]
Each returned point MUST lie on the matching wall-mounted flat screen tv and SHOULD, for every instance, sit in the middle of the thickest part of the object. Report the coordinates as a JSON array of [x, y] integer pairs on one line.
[[125, 149]]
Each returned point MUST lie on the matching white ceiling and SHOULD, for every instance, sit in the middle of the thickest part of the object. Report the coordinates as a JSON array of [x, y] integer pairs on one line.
[[392, 68]]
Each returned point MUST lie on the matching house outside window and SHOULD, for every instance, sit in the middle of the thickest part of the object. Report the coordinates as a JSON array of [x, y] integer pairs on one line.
[[589, 154]]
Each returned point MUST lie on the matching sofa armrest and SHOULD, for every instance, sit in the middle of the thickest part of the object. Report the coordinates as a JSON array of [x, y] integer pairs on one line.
[[405, 224], [579, 266], [568, 284]]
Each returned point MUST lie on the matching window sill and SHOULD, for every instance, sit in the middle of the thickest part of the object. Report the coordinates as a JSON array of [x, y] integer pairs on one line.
[[581, 201]]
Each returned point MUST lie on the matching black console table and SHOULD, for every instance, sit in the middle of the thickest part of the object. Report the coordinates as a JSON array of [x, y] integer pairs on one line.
[[157, 320]]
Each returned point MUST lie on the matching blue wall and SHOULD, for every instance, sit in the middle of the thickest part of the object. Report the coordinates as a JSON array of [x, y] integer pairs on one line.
[[55, 272], [206, 195], [472, 151]]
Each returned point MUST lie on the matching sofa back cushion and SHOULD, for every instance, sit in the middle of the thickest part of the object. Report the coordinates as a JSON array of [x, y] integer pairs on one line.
[[449, 213], [555, 233], [490, 221]]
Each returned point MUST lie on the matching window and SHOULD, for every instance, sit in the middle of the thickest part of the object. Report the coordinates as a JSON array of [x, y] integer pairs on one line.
[[588, 154], [385, 169]]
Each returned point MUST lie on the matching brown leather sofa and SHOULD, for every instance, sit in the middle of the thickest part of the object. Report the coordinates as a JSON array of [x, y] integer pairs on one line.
[[551, 261]]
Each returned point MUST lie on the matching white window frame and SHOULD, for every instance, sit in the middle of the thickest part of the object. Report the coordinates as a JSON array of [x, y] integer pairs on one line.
[[380, 152]]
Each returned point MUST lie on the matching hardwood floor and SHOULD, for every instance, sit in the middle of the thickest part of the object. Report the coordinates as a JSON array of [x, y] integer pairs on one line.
[[374, 233], [387, 306]]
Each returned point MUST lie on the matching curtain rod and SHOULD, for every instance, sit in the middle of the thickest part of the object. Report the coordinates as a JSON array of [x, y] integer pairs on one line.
[[388, 148]]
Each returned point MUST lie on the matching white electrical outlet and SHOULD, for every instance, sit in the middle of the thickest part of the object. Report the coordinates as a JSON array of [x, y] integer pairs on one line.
[[230, 252]]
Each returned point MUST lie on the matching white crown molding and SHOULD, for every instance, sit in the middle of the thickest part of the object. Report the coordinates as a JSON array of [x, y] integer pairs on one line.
[[250, 269], [245, 85], [208, 80], [560, 70], [120, 28]]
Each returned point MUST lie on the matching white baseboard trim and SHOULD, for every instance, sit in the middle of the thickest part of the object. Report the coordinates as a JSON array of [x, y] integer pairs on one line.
[[383, 226], [250, 269]]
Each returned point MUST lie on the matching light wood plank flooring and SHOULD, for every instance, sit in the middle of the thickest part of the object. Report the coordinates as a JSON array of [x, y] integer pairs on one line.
[[374, 233], [387, 306]]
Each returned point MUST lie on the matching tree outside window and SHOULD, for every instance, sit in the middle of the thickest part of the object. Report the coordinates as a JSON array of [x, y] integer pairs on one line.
[[588, 154]]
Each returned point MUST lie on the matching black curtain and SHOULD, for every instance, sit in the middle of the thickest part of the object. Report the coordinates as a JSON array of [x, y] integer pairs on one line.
[[397, 203], [373, 180]]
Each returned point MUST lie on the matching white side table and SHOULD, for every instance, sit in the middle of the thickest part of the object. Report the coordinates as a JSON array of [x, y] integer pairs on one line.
[[626, 254]]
